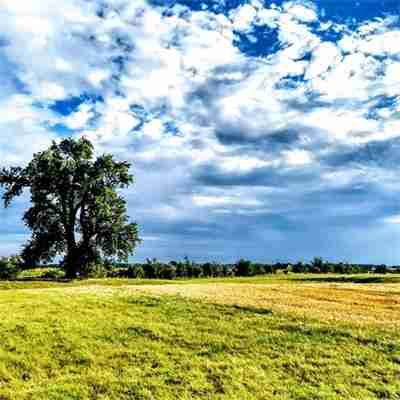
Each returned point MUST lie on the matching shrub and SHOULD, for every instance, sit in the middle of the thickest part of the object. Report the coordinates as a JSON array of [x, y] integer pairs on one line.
[[339, 268], [140, 274], [299, 267], [381, 269], [243, 268], [269, 269], [258, 269], [225, 270], [9, 267], [196, 271], [93, 270], [207, 269], [317, 264], [118, 273], [167, 271], [216, 269], [131, 271], [53, 273], [151, 268]]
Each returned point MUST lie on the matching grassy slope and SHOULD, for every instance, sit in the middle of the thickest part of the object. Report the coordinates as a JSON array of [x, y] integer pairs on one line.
[[101, 340]]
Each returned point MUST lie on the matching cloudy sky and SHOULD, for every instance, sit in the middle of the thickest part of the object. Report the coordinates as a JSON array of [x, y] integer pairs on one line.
[[259, 129]]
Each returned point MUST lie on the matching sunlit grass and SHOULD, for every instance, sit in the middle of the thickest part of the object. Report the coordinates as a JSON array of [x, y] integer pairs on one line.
[[373, 304], [251, 338]]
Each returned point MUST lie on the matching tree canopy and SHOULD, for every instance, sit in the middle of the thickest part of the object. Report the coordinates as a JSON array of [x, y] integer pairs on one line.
[[76, 209]]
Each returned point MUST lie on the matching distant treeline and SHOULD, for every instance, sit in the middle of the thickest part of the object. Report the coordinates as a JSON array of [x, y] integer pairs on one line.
[[155, 269], [10, 268]]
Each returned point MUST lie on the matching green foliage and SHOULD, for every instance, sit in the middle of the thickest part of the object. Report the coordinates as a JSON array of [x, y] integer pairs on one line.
[[76, 209], [167, 271], [156, 269], [53, 274], [381, 269], [299, 267], [317, 265], [243, 268], [151, 268], [9, 267], [213, 269], [259, 269], [139, 273], [94, 270]]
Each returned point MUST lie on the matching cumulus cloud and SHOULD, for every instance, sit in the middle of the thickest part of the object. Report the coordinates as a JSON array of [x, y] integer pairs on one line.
[[206, 101]]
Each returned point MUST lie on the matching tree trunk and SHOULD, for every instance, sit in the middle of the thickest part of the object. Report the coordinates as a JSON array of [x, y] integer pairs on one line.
[[72, 257], [71, 264]]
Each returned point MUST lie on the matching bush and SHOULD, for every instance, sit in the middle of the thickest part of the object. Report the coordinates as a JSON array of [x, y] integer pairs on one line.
[[118, 273], [53, 273], [299, 268], [225, 270], [94, 270], [151, 268], [381, 269], [9, 267], [167, 271], [317, 264], [207, 269], [339, 268], [243, 268], [269, 269], [139, 273]]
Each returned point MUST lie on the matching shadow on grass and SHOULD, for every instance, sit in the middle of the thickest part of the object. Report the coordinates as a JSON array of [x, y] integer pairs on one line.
[[168, 301], [42, 279], [252, 310]]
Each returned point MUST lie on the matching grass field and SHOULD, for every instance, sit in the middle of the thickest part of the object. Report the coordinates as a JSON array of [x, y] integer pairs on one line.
[[275, 337]]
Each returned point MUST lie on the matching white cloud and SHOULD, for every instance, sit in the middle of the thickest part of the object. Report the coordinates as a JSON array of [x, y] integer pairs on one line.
[[97, 76], [23, 131], [243, 18], [324, 56], [242, 164], [153, 129], [80, 118], [387, 43], [343, 126], [297, 157], [394, 219], [299, 11], [218, 201]]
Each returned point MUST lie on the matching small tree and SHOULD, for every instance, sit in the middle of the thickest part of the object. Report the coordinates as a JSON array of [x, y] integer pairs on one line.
[[152, 268], [76, 210], [207, 269], [9, 267], [317, 264], [381, 269], [243, 268], [299, 267]]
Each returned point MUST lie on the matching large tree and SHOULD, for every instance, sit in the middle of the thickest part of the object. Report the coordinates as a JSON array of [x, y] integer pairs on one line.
[[76, 209]]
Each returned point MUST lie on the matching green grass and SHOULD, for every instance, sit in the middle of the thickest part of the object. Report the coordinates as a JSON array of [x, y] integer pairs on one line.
[[31, 279], [105, 342]]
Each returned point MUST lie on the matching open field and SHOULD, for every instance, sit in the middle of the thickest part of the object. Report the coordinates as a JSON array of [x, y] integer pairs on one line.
[[274, 337]]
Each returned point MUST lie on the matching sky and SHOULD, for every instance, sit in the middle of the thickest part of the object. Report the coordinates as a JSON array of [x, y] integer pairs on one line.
[[267, 130]]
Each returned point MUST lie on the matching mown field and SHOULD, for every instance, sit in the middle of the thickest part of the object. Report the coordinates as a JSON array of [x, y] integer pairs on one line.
[[275, 337]]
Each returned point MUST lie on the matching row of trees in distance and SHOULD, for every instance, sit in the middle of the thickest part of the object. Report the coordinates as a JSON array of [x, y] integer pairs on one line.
[[10, 268], [155, 269]]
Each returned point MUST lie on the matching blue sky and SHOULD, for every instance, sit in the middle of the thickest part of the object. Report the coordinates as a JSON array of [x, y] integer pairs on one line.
[[258, 129]]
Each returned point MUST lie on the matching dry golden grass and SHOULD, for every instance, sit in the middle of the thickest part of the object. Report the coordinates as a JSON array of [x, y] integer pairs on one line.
[[375, 304], [361, 304]]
